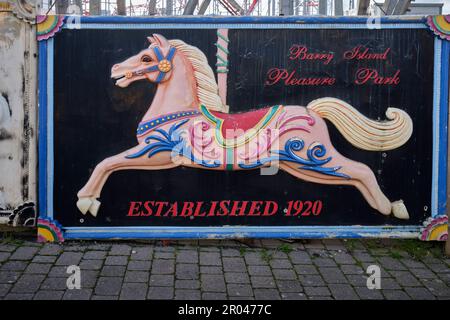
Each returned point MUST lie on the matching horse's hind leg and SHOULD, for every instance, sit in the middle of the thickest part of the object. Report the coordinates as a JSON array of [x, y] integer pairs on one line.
[[311, 177], [361, 176]]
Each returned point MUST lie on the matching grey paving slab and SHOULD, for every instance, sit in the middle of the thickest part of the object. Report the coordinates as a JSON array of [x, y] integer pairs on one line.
[[332, 275], [233, 264], [164, 255], [133, 291], [343, 292], [77, 294], [14, 266], [284, 274], [237, 277], [99, 297], [317, 291], [267, 294], [255, 258], [369, 294], [212, 283], [311, 280], [4, 289], [48, 295], [145, 265], [28, 283], [210, 259], [187, 256], [24, 253], [137, 276], [19, 296], [300, 257], [113, 271], [187, 284], [108, 286], [7, 247], [142, 253], [116, 261], [4, 256], [395, 294], [38, 268], [9, 277], [44, 259], [417, 293], [91, 264], [259, 270], [210, 270], [405, 278], [262, 282], [162, 280], [187, 294], [306, 269], [293, 296], [280, 263], [161, 266], [187, 271], [160, 293], [69, 258], [57, 283], [289, 286], [95, 255], [239, 290], [120, 250], [214, 296]]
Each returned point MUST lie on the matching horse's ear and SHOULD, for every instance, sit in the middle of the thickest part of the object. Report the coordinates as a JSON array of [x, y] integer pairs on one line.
[[160, 40], [151, 40]]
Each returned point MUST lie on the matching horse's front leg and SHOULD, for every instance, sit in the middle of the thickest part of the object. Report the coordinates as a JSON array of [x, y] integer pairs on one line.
[[87, 196]]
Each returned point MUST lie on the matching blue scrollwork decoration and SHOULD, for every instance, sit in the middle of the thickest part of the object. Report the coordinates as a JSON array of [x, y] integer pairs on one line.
[[314, 162], [174, 142]]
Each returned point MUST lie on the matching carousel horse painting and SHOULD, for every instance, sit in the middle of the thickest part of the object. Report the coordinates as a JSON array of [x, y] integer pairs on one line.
[[188, 124]]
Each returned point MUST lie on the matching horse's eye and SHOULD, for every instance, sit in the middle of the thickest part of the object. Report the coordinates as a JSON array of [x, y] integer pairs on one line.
[[146, 59]]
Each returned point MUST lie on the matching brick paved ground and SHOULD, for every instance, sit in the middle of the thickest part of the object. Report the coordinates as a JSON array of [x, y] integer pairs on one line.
[[268, 269]]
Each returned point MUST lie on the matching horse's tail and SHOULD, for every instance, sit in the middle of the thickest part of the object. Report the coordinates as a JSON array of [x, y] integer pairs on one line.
[[363, 132]]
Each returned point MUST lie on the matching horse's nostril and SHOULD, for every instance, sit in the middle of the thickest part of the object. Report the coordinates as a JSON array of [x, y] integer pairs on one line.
[[115, 67]]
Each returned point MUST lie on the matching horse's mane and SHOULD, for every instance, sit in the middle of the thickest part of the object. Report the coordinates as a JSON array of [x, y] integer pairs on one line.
[[207, 89]]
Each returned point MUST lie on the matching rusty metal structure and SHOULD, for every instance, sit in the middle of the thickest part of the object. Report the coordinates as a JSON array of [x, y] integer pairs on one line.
[[197, 7]]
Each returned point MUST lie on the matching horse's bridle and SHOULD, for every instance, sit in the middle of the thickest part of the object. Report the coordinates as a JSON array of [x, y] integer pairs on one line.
[[164, 65]]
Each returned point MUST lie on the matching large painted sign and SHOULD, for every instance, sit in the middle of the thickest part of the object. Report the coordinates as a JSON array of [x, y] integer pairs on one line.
[[243, 127]]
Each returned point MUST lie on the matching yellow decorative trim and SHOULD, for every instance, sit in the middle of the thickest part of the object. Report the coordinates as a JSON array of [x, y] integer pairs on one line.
[[5, 6]]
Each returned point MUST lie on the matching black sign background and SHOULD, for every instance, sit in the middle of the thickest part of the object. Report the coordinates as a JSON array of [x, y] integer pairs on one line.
[[94, 119]]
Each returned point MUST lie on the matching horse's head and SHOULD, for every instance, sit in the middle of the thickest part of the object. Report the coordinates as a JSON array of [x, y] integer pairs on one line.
[[153, 63]]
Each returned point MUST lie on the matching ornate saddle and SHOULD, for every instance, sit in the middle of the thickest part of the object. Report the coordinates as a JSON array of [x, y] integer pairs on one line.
[[232, 130]]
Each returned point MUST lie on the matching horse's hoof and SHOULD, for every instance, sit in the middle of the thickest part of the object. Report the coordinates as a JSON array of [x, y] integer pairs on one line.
[[94, 207], [84, 204], [399, 210]]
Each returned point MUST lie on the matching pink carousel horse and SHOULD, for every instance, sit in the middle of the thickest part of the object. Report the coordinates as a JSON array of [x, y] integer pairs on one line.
[[187, 124]]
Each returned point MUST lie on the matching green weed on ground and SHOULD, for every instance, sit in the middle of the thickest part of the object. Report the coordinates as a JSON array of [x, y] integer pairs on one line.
[[398, 248]]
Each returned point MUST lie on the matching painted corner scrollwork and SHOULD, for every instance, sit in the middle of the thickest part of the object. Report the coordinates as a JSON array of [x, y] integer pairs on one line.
[[435, 229], [23, 215], [49, 230], [440, 25], [25, 9], [48, 26]]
